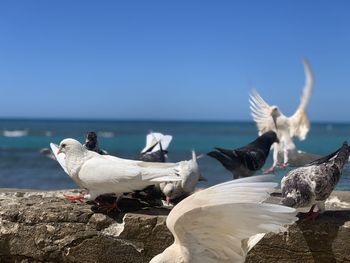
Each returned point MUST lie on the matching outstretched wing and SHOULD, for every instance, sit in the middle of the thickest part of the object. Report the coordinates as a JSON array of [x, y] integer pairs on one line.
[[212, 223], [153, 139], [261, 112], [299, 121]]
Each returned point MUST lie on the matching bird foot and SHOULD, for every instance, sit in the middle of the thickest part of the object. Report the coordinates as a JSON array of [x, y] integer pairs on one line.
[[311, 216], [79, 198], [108, 207], [271, 170], [284, 165], [105, 205]]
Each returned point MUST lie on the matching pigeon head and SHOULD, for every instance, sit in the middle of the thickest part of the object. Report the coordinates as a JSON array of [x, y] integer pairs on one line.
[[91, 140], [271, 136], [68, 145], [91, 136], [275, 113], [171, 191]]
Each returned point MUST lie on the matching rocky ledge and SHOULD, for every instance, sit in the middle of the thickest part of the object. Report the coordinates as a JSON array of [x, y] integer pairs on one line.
[[43, 227]]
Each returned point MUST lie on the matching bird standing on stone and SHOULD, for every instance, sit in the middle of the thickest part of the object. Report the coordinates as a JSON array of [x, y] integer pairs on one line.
[[156, 147], [245, 161], [105, 174], [187, 184], [269, 117], [313, 183], [222, 223]]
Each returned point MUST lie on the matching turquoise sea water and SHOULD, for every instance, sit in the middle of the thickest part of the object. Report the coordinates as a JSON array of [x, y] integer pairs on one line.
[[22, 166]]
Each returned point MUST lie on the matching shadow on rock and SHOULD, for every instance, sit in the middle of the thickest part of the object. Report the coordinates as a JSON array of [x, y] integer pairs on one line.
[[321, 236], [128, 205]]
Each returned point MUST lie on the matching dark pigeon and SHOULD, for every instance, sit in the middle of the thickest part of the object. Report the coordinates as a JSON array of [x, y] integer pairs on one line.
[[312, 184], [91, 143], [245, 161]]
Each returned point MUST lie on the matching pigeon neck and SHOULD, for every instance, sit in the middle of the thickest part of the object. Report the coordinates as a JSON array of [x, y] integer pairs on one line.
[[341, 158], [74, 161]]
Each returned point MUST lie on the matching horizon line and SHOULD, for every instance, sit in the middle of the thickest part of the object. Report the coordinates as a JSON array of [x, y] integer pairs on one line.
[[144, 120]]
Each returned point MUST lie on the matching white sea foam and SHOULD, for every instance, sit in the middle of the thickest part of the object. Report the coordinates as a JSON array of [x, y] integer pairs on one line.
[[15, 133], [334, 201], [105, 134]]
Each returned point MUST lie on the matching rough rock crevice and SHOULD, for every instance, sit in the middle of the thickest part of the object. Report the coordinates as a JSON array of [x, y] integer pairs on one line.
[[43, 227]]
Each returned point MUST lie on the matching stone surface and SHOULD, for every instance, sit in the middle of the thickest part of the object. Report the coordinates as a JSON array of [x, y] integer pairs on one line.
[[43, 227]]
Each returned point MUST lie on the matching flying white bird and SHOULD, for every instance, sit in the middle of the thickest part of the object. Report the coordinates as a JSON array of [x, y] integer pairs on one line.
[[103, 174], [269, 117], [222, 223]]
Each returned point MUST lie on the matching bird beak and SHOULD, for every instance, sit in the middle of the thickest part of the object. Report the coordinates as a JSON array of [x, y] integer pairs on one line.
[[274, 118], [59, 151]]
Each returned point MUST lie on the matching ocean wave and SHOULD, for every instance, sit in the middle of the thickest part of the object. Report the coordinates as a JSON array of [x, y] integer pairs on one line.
[[15, 133]]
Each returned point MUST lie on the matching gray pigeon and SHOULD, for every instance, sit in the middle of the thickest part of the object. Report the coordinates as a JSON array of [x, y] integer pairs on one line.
[[245, 161], [312, 184]]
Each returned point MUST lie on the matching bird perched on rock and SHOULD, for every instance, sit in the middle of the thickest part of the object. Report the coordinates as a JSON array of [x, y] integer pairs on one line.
[[156, 147], [91, 143], [104, 174], [313, 183], [245, 161], [269, 117], [187, 184], [222, 223]]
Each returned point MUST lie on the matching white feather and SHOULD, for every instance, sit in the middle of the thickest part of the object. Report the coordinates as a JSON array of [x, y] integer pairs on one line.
[[154, 138], [210, 225]]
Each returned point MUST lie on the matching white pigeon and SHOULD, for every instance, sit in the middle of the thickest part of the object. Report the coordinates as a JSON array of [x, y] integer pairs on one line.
[[269, 117], [103, 174], [189, 180], [222, 223]]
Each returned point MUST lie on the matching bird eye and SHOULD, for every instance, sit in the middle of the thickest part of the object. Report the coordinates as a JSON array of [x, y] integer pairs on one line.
[[63, 145]]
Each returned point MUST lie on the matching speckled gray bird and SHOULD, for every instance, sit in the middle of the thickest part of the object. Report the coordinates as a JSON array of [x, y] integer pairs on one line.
[[312, 184]]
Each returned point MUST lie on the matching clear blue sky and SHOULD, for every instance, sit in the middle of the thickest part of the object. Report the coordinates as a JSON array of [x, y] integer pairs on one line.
[[171, 59]]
